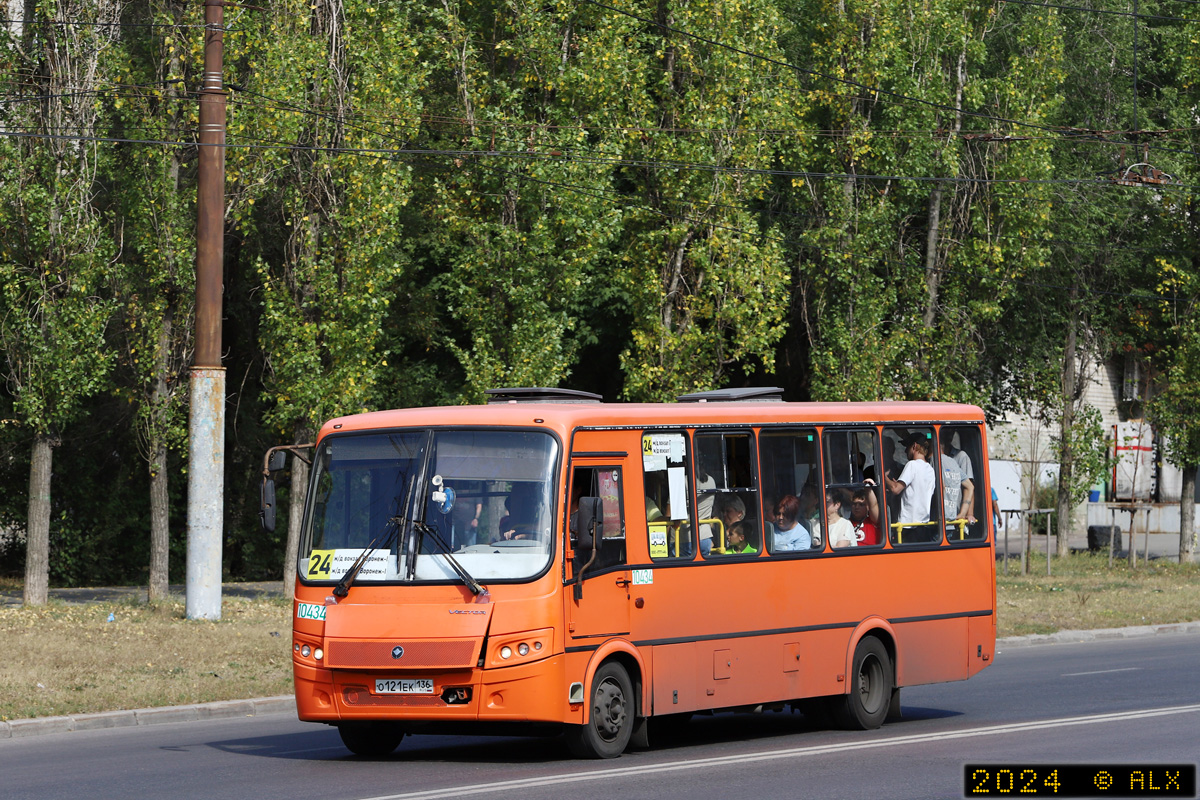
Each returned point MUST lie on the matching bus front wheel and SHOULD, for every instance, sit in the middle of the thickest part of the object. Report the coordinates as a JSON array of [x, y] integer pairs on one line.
[[373, 739], [610, 725], [870, 696]]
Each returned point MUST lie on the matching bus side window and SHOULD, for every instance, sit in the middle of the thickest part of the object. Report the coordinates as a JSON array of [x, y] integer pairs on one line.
[[791, 484], [964, 445], [665, 480], [605, 483], [910, 481], [726, 492], [850, 480]]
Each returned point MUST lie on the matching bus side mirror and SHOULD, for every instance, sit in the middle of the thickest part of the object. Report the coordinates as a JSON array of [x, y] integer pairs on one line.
[[591, 514], [276, 460], [266, 510]]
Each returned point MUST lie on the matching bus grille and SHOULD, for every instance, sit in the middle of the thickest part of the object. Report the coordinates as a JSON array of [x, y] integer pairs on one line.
[[442, 653], [356, 696]]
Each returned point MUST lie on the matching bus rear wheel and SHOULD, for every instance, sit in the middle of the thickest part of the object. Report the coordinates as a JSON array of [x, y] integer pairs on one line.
[[866, 706], [373, 739], [611, 716]]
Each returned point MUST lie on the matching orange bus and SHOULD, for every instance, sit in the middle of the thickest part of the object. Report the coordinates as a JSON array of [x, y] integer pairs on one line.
[[553, 561]]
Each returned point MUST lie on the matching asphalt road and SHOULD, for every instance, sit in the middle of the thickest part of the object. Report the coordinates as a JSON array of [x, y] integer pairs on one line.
[[1105, 702]]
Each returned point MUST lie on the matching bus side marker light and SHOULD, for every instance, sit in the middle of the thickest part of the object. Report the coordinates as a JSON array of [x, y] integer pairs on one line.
[[841, 678]]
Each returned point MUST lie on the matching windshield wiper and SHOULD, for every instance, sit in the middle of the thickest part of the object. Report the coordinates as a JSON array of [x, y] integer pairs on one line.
[[477, 589], [391, 528]]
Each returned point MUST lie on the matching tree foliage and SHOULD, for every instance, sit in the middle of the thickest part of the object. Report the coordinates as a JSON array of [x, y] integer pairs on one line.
[[852, 199]]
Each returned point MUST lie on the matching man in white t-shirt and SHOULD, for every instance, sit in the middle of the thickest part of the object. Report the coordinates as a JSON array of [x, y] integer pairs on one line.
[[916, 482]]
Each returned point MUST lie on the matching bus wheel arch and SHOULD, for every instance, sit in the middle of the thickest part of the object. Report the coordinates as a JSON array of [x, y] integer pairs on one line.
[[627, 656], [854, 709], [611, 706]]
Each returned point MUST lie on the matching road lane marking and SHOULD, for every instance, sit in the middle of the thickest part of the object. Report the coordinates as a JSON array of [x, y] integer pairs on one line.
[[773, 755], [1100, 672]]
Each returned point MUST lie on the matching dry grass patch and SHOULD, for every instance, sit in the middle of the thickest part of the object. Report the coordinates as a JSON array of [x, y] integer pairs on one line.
[[1084, 594], [67, 659]]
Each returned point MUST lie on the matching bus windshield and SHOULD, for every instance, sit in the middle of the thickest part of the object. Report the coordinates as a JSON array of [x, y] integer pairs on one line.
[[412, 496]]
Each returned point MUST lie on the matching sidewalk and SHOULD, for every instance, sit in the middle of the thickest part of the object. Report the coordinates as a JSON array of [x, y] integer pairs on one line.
[[262, 706]]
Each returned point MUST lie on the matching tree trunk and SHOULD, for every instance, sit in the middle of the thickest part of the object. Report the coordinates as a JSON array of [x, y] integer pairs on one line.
[[1065, 504], [160, 534], [297, 494], [1187, 515], [933, 276], [37, 546]]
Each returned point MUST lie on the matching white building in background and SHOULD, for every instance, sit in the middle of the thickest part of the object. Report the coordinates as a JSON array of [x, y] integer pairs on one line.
[[1022, 457]]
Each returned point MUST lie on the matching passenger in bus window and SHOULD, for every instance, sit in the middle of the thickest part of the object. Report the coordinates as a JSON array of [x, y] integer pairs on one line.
[[790, 535], [653, 512], [960, 456], [706, 486], [915, 483], [841, 530], [731, 509], [738, 537], [864, 516], [952, 489], [522, 518], [964, 498], [810, 513]]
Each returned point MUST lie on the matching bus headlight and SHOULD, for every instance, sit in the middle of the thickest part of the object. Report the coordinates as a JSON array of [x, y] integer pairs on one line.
[[521, 647]]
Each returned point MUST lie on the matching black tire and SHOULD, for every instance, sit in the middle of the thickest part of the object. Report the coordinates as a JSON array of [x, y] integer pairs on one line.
[[866, 706], [610, 723], [373, 739]]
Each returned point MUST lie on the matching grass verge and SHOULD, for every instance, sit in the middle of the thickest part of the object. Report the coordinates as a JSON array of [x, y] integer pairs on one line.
[[1084, 594], [69, 659]]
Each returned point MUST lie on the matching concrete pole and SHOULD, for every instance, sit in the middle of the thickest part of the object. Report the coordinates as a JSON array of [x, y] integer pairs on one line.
[[206, 423]]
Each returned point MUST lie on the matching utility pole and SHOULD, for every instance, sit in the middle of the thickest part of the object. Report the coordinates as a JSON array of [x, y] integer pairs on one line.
[[206, 421]]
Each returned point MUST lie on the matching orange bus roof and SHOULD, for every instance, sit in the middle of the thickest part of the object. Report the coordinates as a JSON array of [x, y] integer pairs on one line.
[[566, 416]]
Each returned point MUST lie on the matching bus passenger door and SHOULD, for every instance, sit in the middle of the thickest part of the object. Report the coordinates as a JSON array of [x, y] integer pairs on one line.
[[598, 597]]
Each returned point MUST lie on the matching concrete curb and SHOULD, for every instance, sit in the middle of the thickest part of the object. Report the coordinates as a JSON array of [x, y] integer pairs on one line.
[[224, 709], [1100, 634]]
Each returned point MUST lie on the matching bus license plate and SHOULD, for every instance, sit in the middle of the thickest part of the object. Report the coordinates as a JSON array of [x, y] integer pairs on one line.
[[403, 686]]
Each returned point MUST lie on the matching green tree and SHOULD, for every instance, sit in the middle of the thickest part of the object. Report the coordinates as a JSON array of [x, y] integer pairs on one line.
[[706, 273], [899, 274], [154, 278], [56, 255], [336, 69], [512, 244]]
